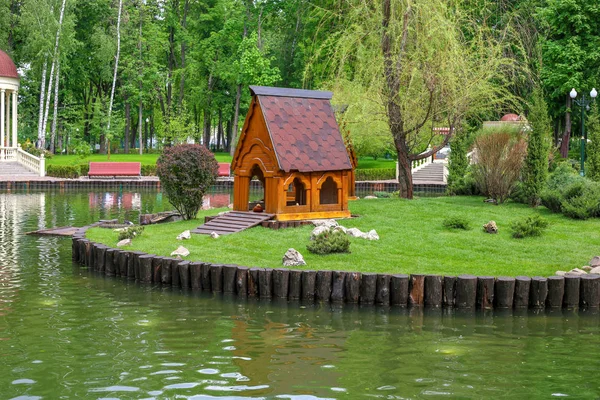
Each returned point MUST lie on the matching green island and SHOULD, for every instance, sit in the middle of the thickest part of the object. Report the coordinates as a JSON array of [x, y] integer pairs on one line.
[[412, 240]]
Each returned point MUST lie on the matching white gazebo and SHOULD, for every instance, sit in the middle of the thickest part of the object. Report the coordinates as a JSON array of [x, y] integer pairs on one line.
[[9, 147]]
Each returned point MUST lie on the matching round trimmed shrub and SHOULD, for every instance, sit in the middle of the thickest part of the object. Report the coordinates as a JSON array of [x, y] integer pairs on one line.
[[186, 172]]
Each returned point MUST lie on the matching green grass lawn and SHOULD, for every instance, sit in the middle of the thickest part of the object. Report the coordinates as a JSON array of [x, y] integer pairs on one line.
[[413, 240], [370, 163], [145, 159]]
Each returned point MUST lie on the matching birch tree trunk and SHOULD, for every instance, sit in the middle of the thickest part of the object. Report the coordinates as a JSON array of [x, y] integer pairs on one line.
[[55, 114], [114, 82], [41, 142]]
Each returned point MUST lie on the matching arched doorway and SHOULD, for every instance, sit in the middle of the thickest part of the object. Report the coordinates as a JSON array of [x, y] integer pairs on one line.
[[257, 195]]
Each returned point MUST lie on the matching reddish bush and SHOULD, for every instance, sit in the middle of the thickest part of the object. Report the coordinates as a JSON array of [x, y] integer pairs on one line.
[[186, 172]]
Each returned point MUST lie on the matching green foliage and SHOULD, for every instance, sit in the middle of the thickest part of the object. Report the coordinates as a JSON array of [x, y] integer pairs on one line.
[[458, 163], [148, 170], [186, 173], [130, 232], [376, 174], [528, 227], [331, 241], [582, 200], [63, 171], [456, 223], [593, 146], [535, 168]]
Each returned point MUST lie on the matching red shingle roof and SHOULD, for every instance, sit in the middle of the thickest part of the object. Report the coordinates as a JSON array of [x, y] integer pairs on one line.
[[303, 129], [7, 66]]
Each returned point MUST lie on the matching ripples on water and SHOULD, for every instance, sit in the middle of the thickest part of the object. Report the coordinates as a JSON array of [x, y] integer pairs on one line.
[[66, 332]]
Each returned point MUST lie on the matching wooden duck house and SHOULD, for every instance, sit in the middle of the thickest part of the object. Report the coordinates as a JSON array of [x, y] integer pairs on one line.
[[292, 144]]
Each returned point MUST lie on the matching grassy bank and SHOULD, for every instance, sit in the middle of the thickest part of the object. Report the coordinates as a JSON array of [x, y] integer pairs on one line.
[[413, 240], [145, 159]]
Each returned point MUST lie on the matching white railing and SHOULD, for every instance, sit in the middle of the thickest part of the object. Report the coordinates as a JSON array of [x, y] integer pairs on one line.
[[8, 153], [31, 162], [416, 164]]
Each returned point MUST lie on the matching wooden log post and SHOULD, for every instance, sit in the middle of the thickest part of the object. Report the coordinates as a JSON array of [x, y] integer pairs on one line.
[[216, 278], [368, 288], [485, 292], [522, 285], [165, 272], [196, 275], [382, 290], [466, 291], [184, 274], [399, 290], [157, 263], [82, 254], [309, 279], [281, 283], [75, 248], [136, 264], [116, 261], [504, 292], [571, 296], [352, 287], [265, 283], [241, 282], [416, 290], [337, 286], [590, 291], [175, 277], [100, 256], [229, 275], [295, 285], [89, 254], [556, 291], [433, 288], [109, 265], [253, 282], [538, 292], [449, 291], [205, 277], [145, 261], [323, 286]]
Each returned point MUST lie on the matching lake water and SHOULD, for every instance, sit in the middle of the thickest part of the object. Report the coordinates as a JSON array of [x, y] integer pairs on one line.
[[68, 333]]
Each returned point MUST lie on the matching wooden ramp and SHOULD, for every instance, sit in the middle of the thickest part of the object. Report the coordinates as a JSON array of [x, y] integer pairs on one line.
[[60, 231], [232, 222]]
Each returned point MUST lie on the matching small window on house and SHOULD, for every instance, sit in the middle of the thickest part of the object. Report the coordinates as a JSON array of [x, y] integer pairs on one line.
[[329, 192], [296, 193]]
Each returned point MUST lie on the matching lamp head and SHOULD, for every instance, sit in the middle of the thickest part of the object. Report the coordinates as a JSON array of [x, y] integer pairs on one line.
[[573, 93], [593, 93]]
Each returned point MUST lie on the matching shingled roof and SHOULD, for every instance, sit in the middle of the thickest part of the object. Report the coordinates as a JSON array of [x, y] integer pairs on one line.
[[303, 129]]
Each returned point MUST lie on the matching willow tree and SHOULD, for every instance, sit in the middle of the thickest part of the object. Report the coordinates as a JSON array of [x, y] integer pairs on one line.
[[414, 60]]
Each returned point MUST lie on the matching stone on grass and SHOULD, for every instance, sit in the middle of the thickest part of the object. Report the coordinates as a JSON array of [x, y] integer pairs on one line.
[[124, 242], [595, 270], [181, 251], [329, 223], [369, 197], [184, 235], [577, 271], [561, 273], [341, 228], [293, 258], [214, 235], [318, 230], [355, 232], [371, 235], [119, 230], [586, 268], [595, 262], [491, 227]]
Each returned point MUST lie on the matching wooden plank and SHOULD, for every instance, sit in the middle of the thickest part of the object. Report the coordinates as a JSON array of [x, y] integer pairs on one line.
[[232, 222]]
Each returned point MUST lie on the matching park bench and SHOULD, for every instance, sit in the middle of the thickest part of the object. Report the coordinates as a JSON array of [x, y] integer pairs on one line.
[[115, 169], [224, 169]]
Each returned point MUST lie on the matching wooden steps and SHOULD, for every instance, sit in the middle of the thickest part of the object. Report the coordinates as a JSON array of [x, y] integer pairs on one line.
[[232, 222]]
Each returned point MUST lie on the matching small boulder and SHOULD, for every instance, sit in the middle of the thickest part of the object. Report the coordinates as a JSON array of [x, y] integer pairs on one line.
[[292, 258], [595, 270], [371, 235], [595, 262], [577, 271], [124, 242], [355, 232], [222, 213], [341, 228], [184, 235], [491, 227], [329, 223], [561, 273], [317, 231], [586, 268], [181, 251], [369, 197], [214, 235]]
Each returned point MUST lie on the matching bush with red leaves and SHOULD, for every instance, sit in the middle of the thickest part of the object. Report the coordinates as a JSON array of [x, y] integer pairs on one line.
[[186, 172]]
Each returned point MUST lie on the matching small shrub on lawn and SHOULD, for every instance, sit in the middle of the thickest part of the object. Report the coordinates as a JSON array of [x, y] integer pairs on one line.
[[456, 223], [529, 226], [582, 201], [63, 171], [131, 232], [330, 242], [552, 199]]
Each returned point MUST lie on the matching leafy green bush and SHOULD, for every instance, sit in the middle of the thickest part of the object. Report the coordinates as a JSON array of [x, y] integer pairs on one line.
[[148, 170], [529, 226], [464, 186], [186, 172], [375, 174], [456, 223], [84, 168], [552, 199], [582, 201], [63, 171], [130, 232], [330, 241]]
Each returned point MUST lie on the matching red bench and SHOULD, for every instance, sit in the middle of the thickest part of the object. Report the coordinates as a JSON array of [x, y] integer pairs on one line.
[[115, 169], [224, 169]]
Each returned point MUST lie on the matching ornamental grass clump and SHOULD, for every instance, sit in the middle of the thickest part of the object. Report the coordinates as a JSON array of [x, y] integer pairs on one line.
[[528, 227], [331, 241], [186, 172], [456, 223]]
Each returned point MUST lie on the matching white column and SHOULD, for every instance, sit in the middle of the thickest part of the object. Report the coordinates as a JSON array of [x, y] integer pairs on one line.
[[14, 116], [2, 109]]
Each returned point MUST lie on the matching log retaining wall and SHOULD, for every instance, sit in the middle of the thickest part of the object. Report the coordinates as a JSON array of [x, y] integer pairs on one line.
[[395, 290]]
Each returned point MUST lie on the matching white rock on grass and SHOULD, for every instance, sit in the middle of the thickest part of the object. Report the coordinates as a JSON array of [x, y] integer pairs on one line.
[[292, 258], [124, 242], [561, 273], [214, 235], [370, 197], [329, 223], [595, 262], [371, 235], [317, 231], [586, 268], [181, 251], [341, 228], [355, 232], [184, 235], [595, 270], [577, 271]]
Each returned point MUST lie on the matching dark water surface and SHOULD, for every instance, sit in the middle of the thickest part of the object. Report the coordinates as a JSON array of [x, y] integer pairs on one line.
[[68, 333]]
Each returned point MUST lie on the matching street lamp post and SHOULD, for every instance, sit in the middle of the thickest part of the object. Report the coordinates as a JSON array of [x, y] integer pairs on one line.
[[584, 103]]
